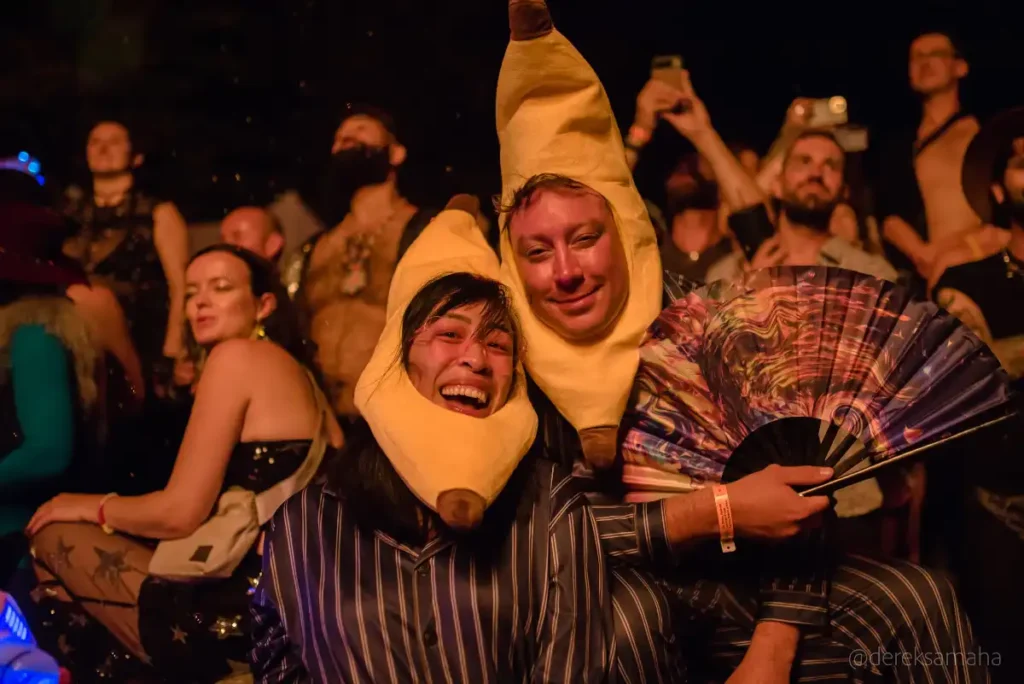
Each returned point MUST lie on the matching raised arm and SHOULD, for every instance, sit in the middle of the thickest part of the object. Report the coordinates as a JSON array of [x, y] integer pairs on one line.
[[739, 189]]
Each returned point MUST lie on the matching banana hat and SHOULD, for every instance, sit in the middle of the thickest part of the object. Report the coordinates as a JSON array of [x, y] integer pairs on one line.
[[454, 463], [554, 117]]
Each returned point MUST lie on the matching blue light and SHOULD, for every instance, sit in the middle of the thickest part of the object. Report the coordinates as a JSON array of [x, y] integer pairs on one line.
[[42, 181], [23, 157], [33, 167]]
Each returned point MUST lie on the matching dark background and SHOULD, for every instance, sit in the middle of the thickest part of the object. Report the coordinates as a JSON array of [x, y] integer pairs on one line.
[[235, 101]]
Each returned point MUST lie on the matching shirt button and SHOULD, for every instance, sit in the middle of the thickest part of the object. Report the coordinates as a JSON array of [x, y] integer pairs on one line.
[[423, 570], [430, 637]]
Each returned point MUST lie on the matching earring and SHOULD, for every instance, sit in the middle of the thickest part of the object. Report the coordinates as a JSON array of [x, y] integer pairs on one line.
[[259, 332]]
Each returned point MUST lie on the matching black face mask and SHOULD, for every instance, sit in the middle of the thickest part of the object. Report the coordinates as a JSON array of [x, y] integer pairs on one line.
[[703, 197], [360, 166], [348, 171]]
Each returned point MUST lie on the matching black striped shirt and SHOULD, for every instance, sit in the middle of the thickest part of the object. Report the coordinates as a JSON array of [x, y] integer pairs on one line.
[[340, 603]]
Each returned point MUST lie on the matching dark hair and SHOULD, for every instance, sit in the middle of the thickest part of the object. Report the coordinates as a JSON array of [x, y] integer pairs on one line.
[[282, 325], [134, 138], [815, 133], [16, 186], [1001, 211], [945, 31], [522, 197], [361, 472], [454, 291], [381, 116]]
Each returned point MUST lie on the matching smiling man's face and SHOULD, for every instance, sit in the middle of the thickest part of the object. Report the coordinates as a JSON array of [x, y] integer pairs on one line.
[[571, 261]]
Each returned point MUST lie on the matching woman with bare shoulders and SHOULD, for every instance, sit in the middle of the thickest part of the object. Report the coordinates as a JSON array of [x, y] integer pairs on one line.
[[253, 425]]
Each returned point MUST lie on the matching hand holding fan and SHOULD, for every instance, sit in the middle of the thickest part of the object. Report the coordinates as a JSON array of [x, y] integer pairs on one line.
[[802, 366]]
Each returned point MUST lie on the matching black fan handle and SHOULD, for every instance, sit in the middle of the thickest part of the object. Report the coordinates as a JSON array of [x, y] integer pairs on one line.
[[859, 476]]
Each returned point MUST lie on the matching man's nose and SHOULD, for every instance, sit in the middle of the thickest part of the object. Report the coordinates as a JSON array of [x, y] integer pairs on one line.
[[568, 273]]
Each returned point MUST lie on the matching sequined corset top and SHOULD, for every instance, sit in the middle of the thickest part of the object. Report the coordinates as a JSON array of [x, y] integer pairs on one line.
[[258, 466]]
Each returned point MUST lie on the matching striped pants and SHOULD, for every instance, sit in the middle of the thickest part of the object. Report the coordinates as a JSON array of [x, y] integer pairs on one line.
[[890, 621]]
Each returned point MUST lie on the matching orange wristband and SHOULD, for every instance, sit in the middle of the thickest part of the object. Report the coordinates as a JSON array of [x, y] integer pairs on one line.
[[724, 511]]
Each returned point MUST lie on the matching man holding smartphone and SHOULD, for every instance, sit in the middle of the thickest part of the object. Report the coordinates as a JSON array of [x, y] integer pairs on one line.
[[809, 189]]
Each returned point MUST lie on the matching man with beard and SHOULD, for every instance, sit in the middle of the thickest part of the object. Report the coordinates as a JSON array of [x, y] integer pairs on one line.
[[340, 278], [580, 258], [809, 188]]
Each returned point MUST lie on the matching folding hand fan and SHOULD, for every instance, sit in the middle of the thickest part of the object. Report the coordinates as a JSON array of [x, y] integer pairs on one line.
[[802, 366]]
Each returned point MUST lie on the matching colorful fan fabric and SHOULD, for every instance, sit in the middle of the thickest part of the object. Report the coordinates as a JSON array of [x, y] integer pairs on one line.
[[817, 342]]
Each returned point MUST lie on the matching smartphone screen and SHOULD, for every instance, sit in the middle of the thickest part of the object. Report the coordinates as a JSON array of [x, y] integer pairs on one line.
[[668, 69]]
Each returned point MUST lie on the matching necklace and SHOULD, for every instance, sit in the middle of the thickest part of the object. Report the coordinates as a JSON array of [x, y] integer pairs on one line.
[[1013, 267]]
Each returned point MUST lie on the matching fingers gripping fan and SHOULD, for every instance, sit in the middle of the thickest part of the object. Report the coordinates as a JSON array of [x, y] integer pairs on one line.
[[802, 366]]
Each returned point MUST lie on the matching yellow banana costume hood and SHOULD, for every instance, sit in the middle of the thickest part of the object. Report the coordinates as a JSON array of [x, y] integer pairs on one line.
[[454, 463], [553, 116]]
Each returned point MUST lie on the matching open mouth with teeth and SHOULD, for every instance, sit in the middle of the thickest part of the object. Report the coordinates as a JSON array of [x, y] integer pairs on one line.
[[472, 401]]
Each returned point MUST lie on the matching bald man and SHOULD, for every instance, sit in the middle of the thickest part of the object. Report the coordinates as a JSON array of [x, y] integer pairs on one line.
[[254, 229]]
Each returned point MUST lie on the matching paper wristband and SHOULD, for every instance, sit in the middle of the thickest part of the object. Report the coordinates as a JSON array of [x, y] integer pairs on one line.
[[725, 524]]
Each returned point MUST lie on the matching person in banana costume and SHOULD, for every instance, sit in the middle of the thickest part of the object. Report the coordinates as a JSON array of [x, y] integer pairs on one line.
[[486, 556], [580, 257]]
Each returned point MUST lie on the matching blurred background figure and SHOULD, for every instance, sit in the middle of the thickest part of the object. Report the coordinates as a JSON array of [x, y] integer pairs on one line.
[[255, 229], [921, 206], [134, 244], [340, 278], [50, 389]]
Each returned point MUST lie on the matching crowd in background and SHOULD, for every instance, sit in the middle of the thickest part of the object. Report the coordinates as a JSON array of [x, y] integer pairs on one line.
[[108, 323]]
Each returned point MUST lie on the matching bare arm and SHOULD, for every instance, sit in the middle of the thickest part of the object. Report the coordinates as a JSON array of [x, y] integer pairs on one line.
[[214, 427], [769, 658], [654, 98], [100, 309], [739, 190], [170, 235], [902, 236]]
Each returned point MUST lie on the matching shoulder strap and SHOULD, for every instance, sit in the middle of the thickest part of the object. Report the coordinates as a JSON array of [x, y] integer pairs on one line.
[[413, 228], [919, 147], [269, 501]]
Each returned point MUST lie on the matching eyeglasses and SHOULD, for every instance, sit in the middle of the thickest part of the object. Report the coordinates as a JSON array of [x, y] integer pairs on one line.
[[934, 54]]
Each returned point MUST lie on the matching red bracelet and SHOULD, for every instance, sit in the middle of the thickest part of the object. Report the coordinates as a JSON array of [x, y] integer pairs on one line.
[[100, 517], [638, 136], [725, 524]]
